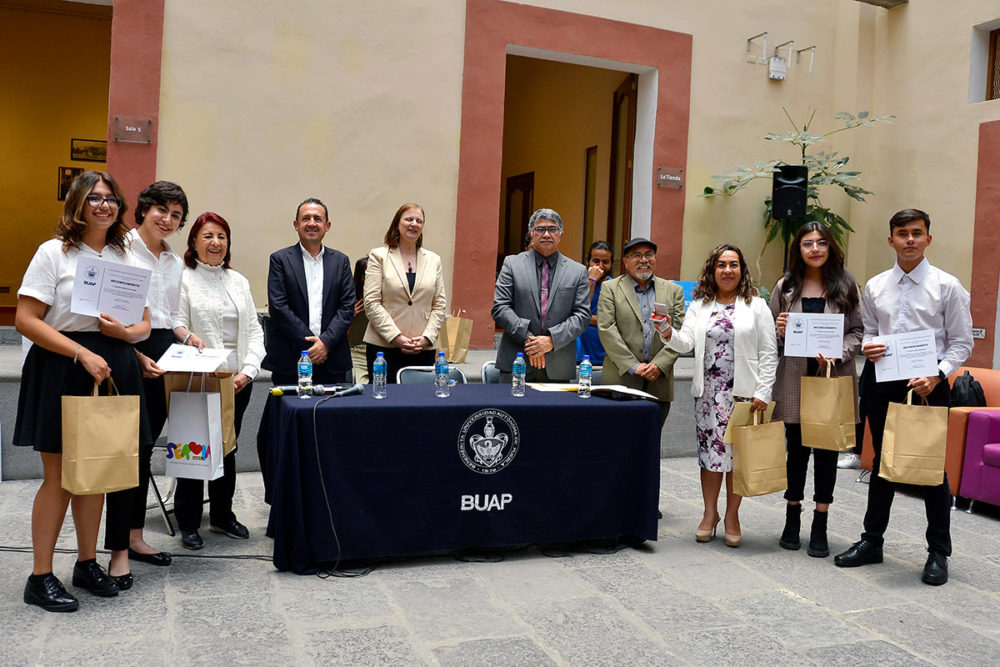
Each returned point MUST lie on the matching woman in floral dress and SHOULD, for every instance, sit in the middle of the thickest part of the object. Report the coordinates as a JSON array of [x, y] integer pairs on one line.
[[731, 331]]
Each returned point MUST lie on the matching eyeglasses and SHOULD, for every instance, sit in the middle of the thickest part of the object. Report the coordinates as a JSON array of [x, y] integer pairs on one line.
[[649, 254], [551, 231], [97, 201], [822, 244]]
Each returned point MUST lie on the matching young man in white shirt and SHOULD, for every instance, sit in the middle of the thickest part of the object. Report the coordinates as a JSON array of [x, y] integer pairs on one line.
[[912, 296]]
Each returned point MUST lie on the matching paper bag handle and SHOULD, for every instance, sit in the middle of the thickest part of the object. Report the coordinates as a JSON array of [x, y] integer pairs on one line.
[[829, 369], [191, 381], [111, 387], [909, 398], [756, 417]]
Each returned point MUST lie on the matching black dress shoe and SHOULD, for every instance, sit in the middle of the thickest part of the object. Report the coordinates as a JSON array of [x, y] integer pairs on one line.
[[159, 558], [233, 529], [124, 581], [936, 570], [48, 593], [92, 577], [860, 553], [191, 540]]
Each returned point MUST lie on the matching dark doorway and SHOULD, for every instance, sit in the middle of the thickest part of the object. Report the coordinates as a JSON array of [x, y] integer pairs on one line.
[[519, 205], [622, 156]]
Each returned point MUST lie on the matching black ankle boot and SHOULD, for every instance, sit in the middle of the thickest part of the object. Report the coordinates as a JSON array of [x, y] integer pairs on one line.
[[818, 547], [793, 523]]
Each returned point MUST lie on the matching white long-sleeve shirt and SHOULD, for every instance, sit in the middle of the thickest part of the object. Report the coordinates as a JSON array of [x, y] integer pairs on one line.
[[925, 298]]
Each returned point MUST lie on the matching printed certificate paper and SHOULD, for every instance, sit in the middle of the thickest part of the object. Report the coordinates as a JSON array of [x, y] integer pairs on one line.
[[189, 359], [105, 287], [907, 356], [809, 334]]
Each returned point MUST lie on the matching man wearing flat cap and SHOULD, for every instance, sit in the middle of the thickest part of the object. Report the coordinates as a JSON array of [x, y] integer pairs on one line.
[[635, 355]]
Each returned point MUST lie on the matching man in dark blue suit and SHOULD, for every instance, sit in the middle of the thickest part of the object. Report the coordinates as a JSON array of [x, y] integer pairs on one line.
[[310, 294]]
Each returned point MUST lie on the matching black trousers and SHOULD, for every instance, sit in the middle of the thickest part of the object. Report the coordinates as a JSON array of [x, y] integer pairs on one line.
[[797, 465], [189, 496], [395, 359], [937, 499], [127, 509]]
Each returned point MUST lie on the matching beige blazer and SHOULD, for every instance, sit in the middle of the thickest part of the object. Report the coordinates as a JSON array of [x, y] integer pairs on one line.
[[619, 325], [391, 307]]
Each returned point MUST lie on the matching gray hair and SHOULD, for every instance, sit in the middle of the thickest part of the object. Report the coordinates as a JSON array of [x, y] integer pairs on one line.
[[544, 214]]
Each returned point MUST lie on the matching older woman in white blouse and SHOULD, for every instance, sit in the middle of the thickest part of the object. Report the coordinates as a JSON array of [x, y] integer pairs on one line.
[[217, 311]]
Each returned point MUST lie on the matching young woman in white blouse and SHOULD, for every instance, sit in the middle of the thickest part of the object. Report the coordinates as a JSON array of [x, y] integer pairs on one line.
[[70, 353], [160, 211], [217, 311]]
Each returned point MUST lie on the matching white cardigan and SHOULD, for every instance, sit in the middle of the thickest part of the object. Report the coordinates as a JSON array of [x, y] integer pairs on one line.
[[755, 346], [203, 290]]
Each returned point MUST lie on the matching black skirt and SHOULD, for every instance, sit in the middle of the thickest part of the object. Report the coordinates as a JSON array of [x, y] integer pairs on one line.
[[46, 377]]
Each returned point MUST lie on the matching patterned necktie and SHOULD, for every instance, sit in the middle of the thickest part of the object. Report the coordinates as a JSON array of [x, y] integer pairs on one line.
[[545, 290]]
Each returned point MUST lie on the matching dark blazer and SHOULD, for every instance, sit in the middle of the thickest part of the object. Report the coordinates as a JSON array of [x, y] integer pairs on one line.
[[517, 309], [288, 305]]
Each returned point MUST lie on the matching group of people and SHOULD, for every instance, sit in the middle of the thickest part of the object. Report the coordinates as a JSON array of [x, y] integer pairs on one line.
[[194, 299], [547, 305], [544, 302]]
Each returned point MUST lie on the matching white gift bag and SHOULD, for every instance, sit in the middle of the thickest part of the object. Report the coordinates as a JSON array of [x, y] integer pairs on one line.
[[194, 436]]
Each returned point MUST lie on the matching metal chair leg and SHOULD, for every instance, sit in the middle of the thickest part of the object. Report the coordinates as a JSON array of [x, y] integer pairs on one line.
[[863, 477], [162, 505], [971, 503]]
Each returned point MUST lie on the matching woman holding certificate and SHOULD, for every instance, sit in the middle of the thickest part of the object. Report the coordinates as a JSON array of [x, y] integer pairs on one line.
[[732, 333], [815, 282], [217, 311], [70, 353]]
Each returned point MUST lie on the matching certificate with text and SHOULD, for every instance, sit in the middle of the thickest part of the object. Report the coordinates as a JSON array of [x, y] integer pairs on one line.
[[809, 334], [118, 290], [189, 359], [907, 356]]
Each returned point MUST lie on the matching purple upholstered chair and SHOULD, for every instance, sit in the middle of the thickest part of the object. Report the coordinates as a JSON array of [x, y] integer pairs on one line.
[[981, 469]]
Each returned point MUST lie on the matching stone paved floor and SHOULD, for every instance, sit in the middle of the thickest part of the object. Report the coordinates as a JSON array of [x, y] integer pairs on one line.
[[672, 602]]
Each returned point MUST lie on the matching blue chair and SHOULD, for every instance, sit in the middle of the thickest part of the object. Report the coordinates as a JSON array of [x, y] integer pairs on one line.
[[490, 373], [425, 375]]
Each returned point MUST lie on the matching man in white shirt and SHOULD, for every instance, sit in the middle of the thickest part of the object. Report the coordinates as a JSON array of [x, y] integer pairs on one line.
[[912, 296], [310, 299]]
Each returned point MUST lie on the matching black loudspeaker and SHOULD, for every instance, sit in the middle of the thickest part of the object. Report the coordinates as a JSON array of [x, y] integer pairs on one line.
[[788, 192]]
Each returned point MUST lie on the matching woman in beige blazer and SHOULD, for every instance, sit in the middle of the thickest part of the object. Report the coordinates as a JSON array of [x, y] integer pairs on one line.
[[404, 295]]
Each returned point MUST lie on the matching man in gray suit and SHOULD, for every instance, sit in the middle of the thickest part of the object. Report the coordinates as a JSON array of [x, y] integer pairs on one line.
[[542, 303]]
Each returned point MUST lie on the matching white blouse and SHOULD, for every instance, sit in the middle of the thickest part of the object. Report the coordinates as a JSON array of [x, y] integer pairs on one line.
[[164, 285], [205, 292], [50, 277]]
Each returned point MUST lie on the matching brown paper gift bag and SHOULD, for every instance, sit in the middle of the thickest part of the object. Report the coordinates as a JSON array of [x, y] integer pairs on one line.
[[826, 412], [100, 442], [759, 458], [455, 336], [209, 382], [914, 443]]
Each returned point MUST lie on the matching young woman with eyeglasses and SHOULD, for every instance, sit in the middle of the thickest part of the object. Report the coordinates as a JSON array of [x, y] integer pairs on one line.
[[70, 353], [815, 282]]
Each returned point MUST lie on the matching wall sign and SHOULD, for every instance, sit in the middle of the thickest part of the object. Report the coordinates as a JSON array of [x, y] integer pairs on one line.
[[133, 130], [670, 177]]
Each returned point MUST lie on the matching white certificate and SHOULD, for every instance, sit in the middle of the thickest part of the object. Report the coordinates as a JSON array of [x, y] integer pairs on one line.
[[907, 356], [189, 359], [809, 334], [106, 287]]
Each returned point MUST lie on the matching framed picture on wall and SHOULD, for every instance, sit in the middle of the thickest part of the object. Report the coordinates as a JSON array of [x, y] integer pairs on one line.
[[88, 150], [66, 177]]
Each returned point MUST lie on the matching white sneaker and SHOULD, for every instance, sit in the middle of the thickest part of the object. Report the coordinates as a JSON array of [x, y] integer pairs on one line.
[[849, 461]]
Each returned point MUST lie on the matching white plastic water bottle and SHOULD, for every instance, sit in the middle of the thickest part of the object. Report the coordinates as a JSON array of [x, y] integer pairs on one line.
[[378, 376], [586, 373], [441, 377], [305, 375], [519, 368]]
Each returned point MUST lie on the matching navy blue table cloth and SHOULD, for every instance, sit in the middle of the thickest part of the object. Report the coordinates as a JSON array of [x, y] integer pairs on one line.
[[414, 474]]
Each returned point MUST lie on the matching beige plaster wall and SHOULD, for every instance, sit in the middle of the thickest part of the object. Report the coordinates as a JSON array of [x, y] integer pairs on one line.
[[265, 103], [361, 107]]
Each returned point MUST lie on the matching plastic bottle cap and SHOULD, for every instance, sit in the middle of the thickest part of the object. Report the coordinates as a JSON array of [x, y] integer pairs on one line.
[[520, 354], [305, 352], [380, 354]]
